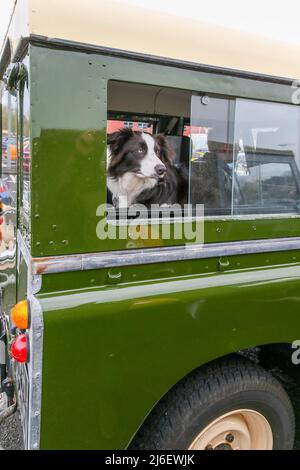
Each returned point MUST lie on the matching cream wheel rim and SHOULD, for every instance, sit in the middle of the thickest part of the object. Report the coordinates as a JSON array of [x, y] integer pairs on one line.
[[237, 430]]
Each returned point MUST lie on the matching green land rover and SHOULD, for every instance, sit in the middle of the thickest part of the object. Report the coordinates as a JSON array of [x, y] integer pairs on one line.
[[112, 340]]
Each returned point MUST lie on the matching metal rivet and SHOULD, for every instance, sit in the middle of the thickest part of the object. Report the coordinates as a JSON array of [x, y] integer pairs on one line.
[[224, 263], [114, 276], [205, 99]]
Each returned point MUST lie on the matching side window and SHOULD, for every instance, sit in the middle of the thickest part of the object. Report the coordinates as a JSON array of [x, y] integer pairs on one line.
[[149, 144], [237, 157], [267, 158]]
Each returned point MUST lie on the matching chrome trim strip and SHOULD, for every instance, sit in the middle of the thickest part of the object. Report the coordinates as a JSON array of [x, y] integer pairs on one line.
[[35, 332], [59, 264], [35, 373]]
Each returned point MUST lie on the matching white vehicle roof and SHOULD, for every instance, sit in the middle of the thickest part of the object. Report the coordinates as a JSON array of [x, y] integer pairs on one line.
[[120, 24]]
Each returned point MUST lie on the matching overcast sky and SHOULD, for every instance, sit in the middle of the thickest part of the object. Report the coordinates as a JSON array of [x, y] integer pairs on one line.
[[273, 18]]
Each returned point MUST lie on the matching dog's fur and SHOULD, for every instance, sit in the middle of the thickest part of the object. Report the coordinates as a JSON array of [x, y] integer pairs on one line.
[[141, 170]]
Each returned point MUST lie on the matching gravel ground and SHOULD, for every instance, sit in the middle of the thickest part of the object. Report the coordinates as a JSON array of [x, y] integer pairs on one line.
[[10, 433], [10, 430]]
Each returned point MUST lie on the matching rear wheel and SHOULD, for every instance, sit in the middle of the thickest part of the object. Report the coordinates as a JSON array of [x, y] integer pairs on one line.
[[232, 404]]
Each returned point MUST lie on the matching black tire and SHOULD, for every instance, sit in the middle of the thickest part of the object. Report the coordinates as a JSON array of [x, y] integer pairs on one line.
[[211, 391]]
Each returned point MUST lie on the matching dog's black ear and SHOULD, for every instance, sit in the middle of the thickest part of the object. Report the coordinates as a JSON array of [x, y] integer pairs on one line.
[[165, 152], [116, 140]]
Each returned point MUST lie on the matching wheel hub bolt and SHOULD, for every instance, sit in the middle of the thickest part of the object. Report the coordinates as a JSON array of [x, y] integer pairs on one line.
[[229, 438]]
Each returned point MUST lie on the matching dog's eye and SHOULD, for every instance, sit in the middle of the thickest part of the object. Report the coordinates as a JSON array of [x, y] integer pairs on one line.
[[141, 150]]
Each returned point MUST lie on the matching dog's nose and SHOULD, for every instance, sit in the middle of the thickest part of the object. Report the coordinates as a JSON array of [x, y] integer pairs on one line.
[[160, 170]]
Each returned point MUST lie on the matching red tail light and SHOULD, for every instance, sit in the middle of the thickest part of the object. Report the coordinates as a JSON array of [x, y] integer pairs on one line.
[[19, 348]]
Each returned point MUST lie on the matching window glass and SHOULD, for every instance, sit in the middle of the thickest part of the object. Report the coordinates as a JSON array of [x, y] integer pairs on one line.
[[266, 162], [212, 153]]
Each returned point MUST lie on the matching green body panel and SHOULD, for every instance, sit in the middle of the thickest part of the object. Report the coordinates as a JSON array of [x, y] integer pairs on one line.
[[111, 352], [69, 109]]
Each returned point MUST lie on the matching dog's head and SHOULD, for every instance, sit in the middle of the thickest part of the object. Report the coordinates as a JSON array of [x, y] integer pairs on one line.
[[140, 153]]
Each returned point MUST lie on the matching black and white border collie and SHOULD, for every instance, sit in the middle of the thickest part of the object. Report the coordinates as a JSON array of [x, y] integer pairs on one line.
[[141, 170]]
